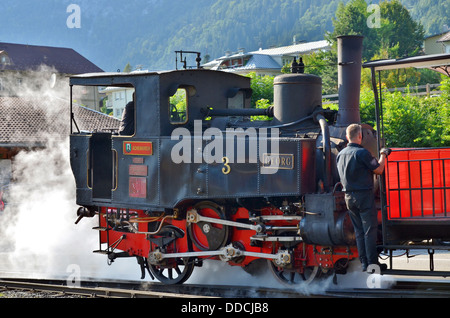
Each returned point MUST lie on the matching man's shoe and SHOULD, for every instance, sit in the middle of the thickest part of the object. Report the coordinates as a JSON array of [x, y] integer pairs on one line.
[[364, 267]]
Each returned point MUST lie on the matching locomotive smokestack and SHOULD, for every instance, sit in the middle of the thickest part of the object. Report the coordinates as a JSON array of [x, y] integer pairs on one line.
[[349, 79]]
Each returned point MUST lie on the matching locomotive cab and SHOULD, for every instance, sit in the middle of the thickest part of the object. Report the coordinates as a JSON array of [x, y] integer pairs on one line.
[[188, 130], [117, 167]]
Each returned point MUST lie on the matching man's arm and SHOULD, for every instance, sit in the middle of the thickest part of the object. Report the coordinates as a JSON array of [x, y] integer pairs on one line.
[[382, 162]]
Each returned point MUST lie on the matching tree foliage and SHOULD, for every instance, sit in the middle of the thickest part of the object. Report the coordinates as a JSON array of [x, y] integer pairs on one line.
[[433, 14], [351, 19], [147, 32], [397, 34], [262, 89], [411, 120]]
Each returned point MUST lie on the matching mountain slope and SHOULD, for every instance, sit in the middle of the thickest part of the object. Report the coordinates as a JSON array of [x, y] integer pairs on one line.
[[147, 32]]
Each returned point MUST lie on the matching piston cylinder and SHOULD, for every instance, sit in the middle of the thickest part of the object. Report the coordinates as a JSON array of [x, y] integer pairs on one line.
[[327, 222]]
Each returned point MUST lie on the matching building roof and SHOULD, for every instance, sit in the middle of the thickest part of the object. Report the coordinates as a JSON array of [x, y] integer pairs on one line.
[[444, 38], [264, 59], [27, 122], [296, 49], [30, 57], [257, 61]]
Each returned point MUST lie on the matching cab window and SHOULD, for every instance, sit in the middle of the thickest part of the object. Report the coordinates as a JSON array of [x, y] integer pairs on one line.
[[237, 101], [178, 104]]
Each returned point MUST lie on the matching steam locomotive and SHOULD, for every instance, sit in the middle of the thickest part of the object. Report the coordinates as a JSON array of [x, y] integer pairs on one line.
[[196, 179]]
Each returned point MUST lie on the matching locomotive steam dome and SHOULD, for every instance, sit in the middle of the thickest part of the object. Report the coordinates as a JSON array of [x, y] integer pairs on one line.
[[296, 96]]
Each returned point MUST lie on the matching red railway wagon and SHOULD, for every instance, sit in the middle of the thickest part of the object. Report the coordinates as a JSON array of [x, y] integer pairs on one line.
[[415, 189]]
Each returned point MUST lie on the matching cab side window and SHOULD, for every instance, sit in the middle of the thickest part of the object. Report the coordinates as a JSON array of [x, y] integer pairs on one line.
[[178, 105], [237, 101]]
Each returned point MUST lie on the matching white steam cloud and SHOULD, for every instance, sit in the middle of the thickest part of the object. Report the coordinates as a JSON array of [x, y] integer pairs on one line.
[[38, 237]]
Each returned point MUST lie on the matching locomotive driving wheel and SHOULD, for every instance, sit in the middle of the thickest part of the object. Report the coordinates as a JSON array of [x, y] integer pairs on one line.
[[291, 276], [208, 236], [175, 271], [170, 271]]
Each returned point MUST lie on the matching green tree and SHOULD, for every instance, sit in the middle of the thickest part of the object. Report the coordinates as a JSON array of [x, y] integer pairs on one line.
[[399, 34], [351, 19], [323, 64], [127, 68], [262, 87], [411, 121]]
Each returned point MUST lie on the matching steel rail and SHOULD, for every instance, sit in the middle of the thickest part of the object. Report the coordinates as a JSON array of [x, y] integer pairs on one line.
[[92, 292], [134, 289]]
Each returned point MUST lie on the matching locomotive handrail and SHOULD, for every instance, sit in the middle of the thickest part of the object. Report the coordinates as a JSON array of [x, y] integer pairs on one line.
[[208, 111], [326, 149]]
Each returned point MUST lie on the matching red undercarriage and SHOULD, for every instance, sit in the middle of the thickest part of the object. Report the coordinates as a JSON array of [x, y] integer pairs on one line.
[[301, 257]]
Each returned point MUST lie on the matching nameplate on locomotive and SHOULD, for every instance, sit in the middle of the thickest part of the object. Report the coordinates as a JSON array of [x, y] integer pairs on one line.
[[278, 161], [138, 148]]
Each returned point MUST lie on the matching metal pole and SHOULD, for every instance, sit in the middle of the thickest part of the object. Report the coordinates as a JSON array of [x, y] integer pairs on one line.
[[71, 110], [382, 177]]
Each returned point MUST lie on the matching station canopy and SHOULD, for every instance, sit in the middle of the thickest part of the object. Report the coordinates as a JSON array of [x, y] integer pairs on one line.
[[436, 62]]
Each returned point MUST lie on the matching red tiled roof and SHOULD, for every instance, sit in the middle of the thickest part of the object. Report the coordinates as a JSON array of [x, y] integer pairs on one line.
[[28, 122], [31, 57]]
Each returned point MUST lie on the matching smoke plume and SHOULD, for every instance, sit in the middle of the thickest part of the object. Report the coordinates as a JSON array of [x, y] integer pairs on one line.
[[37, 231]]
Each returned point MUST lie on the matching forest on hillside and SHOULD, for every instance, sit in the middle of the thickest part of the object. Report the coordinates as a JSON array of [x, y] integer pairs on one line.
[[227, 25], [147, 32], [411, 119]]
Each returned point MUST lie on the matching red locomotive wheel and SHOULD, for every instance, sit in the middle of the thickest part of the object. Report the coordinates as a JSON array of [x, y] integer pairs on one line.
[[208, 236], [292, 277], [177, 272], [171, 271]]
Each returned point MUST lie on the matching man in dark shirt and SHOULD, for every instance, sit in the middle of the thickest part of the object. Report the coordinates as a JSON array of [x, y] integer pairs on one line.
[[127, 122], [356, 167]]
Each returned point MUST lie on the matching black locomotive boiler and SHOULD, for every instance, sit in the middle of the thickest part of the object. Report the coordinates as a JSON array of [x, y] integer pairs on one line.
[[197, 179]]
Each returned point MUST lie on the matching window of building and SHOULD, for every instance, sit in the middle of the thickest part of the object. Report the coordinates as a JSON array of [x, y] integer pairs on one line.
[[4, 58]]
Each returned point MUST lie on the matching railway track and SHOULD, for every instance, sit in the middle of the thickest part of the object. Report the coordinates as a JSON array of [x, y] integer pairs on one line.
[[401, 289], [91, 289], [131, 289]]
